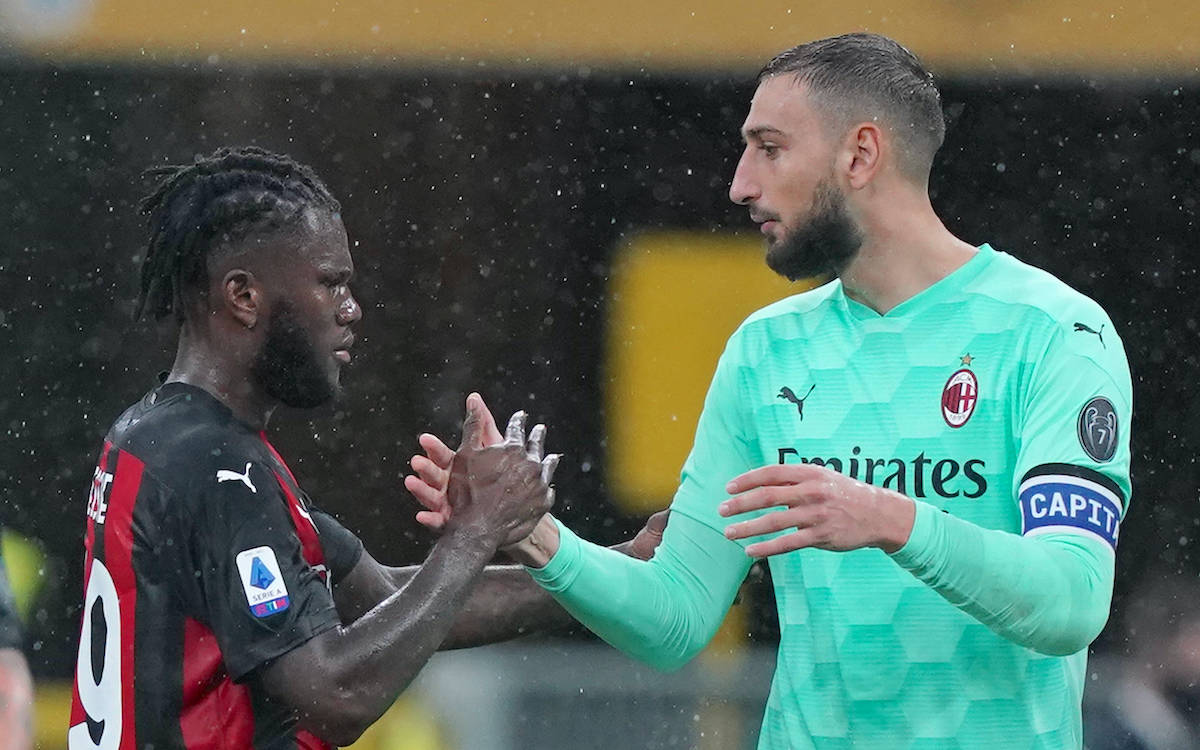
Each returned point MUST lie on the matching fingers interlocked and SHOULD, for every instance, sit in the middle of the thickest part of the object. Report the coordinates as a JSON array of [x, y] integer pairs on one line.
[[535, 446]]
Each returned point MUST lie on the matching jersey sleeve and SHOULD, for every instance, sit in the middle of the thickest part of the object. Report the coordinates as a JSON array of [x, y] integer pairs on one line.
[[662, 611], [1049, 588], [259, 596], [723, 447], [1072, 472], [342, 548]]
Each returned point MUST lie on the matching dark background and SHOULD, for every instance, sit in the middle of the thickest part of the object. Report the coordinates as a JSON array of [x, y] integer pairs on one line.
[[482, 214]]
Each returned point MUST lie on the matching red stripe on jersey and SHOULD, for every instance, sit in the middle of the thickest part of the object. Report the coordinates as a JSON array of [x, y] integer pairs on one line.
[[314, 555], [308, 741], [216, 712], [310, 543], [78, 715], [118, 558], [278, 457]]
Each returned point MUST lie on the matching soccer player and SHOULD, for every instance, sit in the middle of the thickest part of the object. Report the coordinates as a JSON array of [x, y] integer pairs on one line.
[[221, 608], [16, 686], [941, 508]]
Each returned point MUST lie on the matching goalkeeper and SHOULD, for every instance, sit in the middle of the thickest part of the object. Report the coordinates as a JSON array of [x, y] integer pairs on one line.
[[941, 509]]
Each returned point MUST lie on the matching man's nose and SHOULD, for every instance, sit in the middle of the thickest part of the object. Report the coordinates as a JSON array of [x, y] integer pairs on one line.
[[349, 311], [743, 189]]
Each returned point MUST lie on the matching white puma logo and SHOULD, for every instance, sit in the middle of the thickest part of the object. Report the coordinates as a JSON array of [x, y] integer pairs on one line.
[[225, 475]]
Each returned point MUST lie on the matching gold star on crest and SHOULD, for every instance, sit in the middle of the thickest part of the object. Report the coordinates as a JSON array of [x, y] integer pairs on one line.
[[967, 359]]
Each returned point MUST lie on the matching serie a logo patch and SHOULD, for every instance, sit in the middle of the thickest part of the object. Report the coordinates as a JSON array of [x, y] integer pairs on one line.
[[262, 581]]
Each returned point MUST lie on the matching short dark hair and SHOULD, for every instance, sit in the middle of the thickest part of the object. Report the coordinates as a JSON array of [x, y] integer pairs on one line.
[[864, 76], [213, 203]]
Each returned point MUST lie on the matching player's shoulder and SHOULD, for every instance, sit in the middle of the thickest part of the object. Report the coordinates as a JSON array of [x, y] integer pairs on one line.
[[1053, 307], [1016, 282], [181, 434], [797, 304], [794, 313]]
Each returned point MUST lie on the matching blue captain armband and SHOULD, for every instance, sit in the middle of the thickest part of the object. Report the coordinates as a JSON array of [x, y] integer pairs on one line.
[[1058, 498]]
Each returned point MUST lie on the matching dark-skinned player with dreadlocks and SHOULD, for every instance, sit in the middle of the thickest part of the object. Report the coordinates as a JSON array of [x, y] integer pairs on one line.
[[221, 608]]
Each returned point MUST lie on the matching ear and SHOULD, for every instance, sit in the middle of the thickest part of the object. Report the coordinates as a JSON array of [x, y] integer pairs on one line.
[[864, 147], [242, 296]]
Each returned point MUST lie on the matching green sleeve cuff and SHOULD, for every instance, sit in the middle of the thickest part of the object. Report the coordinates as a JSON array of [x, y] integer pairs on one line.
[[564, 566], [918, 550]]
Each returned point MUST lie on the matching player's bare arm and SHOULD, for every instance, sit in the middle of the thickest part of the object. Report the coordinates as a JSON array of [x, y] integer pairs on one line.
[[344, 679], [825, 510], [504, 602]]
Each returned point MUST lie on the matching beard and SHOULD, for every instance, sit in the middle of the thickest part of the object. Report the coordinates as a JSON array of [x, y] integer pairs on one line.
[[823, 245], [287, 366]]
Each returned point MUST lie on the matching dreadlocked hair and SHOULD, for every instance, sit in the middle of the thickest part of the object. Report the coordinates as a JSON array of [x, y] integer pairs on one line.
[[211, 203]]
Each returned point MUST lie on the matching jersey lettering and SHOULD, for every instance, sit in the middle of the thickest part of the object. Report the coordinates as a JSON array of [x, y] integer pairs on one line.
[[1074, 502], [97, 508]]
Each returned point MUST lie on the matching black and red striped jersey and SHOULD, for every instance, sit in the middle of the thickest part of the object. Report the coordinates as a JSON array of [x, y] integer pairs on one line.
[[204, 562]]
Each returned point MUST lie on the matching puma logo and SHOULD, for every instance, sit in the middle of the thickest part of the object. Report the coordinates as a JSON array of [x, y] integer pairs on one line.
[[225, 475], [1081, 328], [787, 393]]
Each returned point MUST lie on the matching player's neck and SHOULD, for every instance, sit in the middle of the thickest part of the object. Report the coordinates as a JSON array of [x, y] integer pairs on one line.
[[906, 249], [223, 376]]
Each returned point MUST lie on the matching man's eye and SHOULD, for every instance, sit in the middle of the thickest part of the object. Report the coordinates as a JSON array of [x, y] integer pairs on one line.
[[770, 149]]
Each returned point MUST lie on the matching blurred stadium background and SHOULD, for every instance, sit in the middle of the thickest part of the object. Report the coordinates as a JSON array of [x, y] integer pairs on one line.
[[536, 197]]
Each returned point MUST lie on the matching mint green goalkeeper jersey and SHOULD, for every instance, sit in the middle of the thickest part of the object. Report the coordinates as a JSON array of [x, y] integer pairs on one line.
[[998, 395], [996, 377]]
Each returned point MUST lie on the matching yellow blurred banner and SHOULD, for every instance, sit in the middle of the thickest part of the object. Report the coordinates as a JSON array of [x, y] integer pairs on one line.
[[954, 35], [674, 298]]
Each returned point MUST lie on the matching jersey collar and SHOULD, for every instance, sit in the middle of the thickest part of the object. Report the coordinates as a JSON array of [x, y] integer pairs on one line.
[[931, 295]]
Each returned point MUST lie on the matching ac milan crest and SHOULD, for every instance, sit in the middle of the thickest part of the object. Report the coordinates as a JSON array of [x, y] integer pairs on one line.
[[959, 397]]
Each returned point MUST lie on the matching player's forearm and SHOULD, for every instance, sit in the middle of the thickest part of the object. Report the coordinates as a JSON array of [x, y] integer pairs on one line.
[[344, 679], [662, 611], [503, 604], [16, 702], [1050, 593]]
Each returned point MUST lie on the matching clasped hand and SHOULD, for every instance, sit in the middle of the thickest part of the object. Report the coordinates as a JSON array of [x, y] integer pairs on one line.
[[429, 485], [499, 488]]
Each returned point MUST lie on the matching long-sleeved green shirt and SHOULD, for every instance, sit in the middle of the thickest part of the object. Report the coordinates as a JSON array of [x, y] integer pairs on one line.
[[999, 396]]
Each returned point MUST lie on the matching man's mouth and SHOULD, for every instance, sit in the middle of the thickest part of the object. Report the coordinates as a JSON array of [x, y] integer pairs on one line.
[[763, 219], [342, 353]]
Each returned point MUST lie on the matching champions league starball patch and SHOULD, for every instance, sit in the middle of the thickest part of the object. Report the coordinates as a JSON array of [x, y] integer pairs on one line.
[[1098, 429]]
